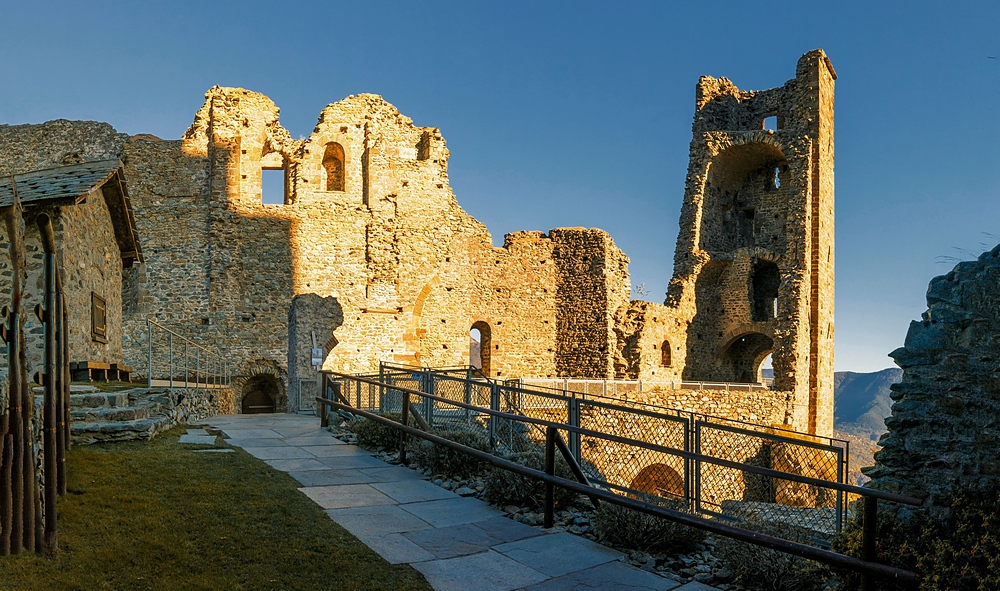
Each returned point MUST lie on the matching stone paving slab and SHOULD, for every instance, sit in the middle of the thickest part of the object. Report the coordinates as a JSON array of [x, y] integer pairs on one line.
[[278, 453], [456, 540], [452, 511], [346, 495], [377, 521], [329, 451], [507, 530], [199, 439], [356, 461], [236, 433], [486, 571], [396, 549], [391, 474], [332, 477], [197, 432], [315, 440], [297, 465], [250, 442], [558, 554], [413, 491], [217, 451], [610, 576]]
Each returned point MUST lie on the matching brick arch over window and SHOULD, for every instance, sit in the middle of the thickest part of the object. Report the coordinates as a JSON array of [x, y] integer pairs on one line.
[[333, 164]]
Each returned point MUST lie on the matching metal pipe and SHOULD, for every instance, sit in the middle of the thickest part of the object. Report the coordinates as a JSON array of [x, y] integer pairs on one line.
[[550, 470]]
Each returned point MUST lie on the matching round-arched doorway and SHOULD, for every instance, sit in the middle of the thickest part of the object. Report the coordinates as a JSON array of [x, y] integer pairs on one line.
[[659, 479], [260, 394]]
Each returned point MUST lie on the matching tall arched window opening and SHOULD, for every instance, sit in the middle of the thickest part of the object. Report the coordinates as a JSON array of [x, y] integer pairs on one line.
[[480, 343], [665, 354], [333, 163]]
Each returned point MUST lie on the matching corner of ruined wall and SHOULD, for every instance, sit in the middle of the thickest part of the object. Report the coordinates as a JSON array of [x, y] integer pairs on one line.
[[945, 424]]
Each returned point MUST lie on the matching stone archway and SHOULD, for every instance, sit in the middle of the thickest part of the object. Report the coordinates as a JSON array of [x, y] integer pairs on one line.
[[658, 479], [261, 387], [743, 357]]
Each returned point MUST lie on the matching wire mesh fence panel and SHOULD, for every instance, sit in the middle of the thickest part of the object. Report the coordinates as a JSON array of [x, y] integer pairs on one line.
[[594, 387], [621, 390], [627, 467], [741, 495]]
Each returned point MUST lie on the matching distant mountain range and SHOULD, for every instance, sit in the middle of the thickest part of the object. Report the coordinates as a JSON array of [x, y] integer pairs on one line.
[[861, 401]]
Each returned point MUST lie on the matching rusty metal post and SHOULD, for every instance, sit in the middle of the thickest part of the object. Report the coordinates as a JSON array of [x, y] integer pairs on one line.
[[550, 469], [869, 529], [49, 424], [405, 420]]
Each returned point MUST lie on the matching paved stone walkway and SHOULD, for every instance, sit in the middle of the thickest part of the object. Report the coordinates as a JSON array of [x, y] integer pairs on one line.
[[458, 543]]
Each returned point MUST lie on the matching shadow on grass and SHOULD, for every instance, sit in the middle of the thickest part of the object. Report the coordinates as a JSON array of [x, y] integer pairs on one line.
[[156, 515]]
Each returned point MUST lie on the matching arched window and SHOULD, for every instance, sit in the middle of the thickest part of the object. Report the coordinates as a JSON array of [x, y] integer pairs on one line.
[[480, 343], [333, 163], [665, 354]]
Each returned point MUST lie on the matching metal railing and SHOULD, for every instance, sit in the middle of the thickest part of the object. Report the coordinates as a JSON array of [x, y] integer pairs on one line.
[[184, 363], [611, 387], [722, 492], [441, 414]]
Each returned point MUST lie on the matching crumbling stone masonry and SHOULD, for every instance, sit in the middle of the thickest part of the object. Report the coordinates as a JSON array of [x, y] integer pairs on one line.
[[944, 431], [753, 268], [370, 257]]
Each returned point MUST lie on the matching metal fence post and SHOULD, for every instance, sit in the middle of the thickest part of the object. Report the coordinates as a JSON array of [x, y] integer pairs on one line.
[[404, 419], [149, 354], [550, 469], [495, 406], [170, 355], [187, 368], [573, 416], [197, 368]]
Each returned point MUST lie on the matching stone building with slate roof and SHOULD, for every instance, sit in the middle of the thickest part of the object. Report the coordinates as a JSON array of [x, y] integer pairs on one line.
[[95, 239]]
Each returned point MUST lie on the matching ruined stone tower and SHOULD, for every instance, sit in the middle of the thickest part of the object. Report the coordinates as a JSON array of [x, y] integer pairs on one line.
[[753, 268]]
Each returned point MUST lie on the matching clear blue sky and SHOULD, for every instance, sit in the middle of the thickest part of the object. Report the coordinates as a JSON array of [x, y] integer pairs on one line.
[[579, 113]]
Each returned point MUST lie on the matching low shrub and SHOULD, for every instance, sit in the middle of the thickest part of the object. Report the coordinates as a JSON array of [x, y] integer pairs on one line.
[[958, 553], [755, 567], [375, 435], [627, 528], [504, 487], [447, 461]]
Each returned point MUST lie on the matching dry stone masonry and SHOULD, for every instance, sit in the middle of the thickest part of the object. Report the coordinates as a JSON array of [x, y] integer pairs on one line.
[[945, 425], [370, 258]]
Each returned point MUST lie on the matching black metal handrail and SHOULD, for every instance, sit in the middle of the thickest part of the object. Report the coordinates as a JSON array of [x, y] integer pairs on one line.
[[865, 566]]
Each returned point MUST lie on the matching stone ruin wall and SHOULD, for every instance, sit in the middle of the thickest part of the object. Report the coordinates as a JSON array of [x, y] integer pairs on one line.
[[944, 431], [397, 271]]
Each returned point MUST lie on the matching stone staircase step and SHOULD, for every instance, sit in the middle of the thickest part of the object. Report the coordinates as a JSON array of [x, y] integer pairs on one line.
[[88, 433], [109, 415], [99, 400]]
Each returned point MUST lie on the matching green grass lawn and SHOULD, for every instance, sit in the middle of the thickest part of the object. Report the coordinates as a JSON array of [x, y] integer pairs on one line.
[[156, 515]]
